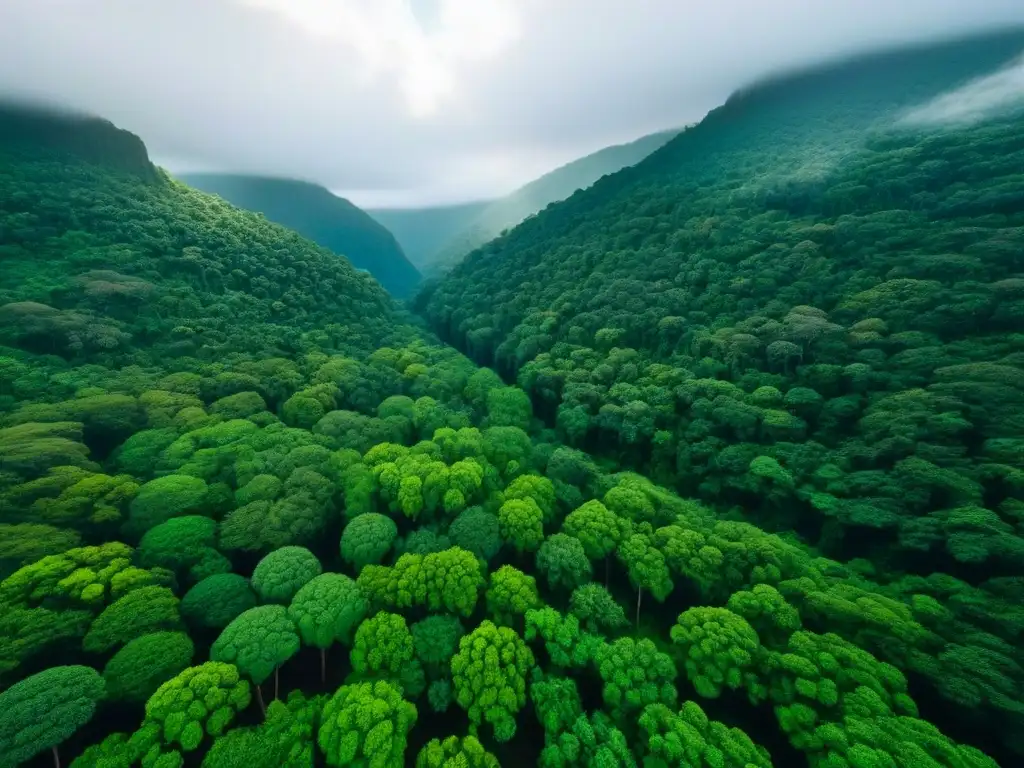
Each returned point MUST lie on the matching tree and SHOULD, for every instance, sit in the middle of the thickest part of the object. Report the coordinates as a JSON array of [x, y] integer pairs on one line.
[[589, 740], [199, 701], [285, 739], [455, 752], [690, 740], [476, 531], [647, 568], [508, 407], [719, 647], [138, 669], [383, 649], [596, 609], [283, 572], [563, 561], [365, 726], [185, 545], [24, 543], [216, 600], [149, 609], [258, 642], [450, 580], [521, 524], [556, 701], [535, 487], [489, 676], [366, 539], [635, 674], [326, 610], [598, 529], [510, 595], [435, 640], [43, 710], [85, 577], [565, 644], [163, 498]]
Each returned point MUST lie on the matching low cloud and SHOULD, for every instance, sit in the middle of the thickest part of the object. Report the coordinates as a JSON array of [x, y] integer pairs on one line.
[[427, 101], [980, 99]]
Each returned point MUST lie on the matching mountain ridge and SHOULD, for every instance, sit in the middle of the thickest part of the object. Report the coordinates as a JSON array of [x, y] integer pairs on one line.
[[315, 212], [481, 222]]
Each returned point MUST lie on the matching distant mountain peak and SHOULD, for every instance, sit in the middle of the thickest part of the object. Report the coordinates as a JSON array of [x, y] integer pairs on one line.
[[89, 138]]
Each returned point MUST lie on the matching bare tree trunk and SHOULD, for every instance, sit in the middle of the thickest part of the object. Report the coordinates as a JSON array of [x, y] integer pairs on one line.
[[56, 758], [323, 666], [607, 570], [259, 698], [639, 594]]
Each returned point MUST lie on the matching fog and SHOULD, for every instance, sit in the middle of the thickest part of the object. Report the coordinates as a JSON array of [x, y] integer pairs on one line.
[[978, 100], [408, 102]]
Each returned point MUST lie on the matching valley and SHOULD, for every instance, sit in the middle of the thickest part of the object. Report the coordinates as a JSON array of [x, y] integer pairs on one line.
[[705, 451]]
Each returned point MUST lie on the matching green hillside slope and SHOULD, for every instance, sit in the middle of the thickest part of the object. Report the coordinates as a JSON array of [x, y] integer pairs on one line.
[[809, 309], [117, 260], [324, 218], [423, 231], [251, 514], [491, 219]]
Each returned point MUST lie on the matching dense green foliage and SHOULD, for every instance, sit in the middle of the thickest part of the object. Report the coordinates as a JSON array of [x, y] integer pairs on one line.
[[806, 312], [324, 218], [257, 467]]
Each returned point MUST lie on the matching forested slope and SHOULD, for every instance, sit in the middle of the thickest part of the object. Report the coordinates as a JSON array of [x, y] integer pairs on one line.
[[807, 309], [251, 516], [321, 216], [422, 232]]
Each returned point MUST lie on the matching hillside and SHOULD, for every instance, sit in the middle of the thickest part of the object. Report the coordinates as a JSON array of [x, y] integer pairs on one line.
[[26, 128], [324, 218], [423, 231], [254, 514], [806, 308], [504, 213], [109, 259]]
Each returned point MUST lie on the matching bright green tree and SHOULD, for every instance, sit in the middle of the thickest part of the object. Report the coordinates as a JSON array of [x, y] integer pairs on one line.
[[455, 752], [326, 610], [489, 676], [719, 648], [383, 649], [366, 726]]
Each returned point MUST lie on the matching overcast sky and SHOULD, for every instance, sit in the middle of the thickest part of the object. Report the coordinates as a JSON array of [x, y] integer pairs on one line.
[[396, 102]]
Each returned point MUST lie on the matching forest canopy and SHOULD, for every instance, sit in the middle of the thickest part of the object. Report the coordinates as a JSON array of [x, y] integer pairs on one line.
[[743, 487]]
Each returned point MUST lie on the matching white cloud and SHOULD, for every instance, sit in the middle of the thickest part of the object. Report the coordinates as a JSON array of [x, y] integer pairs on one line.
[[977, 100], [390, 42], [474, 98]]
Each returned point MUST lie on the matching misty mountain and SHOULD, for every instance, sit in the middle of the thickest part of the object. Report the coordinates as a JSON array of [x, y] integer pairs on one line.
[[32, 127], [489, 220], [324, 218], [422, 232]]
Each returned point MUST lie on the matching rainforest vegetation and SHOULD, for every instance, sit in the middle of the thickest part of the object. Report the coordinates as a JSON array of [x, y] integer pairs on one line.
[[324, 218], [741, 487]]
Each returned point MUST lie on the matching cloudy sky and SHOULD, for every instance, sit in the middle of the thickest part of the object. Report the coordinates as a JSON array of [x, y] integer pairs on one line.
[[409, 102]]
